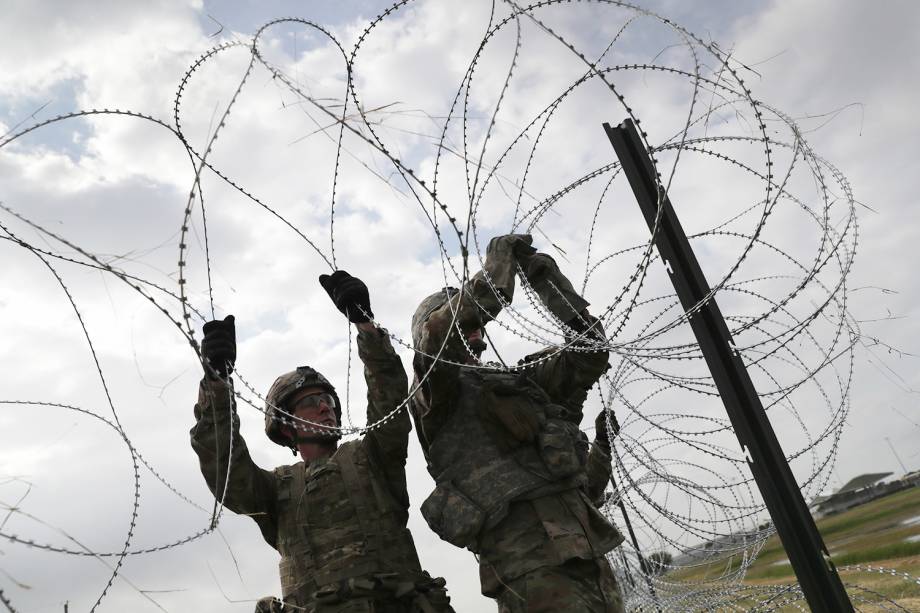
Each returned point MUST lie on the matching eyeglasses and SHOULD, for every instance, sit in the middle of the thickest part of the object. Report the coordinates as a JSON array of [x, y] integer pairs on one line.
[[313, 401]]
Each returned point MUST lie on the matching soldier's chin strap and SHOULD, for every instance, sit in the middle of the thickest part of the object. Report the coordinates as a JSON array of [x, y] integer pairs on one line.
[[331, 439]]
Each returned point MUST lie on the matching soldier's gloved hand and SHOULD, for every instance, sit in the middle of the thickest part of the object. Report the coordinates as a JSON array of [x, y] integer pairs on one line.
[[601, 434], [349, 294], [218, 347], [511, 246], [502, 257]]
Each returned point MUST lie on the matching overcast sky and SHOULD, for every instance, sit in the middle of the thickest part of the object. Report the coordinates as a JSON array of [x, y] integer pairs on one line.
[[118, 187]]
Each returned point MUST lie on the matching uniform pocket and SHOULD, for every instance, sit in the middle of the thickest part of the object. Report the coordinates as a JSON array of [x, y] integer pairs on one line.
[[563, 448], [453, 517], [290, 582]]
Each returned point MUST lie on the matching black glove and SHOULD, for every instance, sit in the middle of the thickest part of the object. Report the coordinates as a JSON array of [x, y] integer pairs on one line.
[[218, 347], [601, 435], [349, 294]]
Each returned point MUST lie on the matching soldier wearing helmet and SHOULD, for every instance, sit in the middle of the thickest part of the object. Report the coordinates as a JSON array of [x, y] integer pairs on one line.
[[338, 517], [515, 481]]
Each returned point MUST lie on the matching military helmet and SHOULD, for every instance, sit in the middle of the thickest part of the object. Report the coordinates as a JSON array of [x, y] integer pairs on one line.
[[282, 390], [428, 306]]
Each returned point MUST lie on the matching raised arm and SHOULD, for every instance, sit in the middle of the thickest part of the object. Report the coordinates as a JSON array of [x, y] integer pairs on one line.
[[216, 438], [566, 375], [498, 272], [387, 384], [476, 304]]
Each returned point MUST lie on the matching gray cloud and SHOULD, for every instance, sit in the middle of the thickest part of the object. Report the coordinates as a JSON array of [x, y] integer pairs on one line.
[[127, 190]]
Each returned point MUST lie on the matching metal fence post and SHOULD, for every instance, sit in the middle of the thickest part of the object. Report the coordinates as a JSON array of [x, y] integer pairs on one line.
[[807, 553]]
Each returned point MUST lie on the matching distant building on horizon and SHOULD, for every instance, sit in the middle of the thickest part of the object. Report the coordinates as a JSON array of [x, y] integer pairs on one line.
[[860, 490]]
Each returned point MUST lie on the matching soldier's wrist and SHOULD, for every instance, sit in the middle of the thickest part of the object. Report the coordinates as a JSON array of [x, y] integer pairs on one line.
[[217, 384], [603, 445], [366, 327]]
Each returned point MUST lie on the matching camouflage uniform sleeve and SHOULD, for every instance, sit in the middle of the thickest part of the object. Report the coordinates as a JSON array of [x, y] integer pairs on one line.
[[566, 375], [493, 286], [598, 470], [554, 288], [250, 490], [387, 386]]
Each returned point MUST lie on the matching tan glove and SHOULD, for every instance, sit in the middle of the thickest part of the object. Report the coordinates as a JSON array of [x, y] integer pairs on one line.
[[502, 257]]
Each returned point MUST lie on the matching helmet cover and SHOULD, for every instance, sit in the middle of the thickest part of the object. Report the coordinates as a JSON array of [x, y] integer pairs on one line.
[[282, 390], [428, 306]]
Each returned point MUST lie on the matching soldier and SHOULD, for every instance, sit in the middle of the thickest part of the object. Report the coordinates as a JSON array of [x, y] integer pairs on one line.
[[338, 518], [515, 483]]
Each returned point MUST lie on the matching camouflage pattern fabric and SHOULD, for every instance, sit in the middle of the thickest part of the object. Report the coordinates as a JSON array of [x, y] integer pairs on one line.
[[269, 604], [543, 532], [554, 289], [537, 531], [577, 586], [421, 603], [376, 595], [481, 467], [354, 504]]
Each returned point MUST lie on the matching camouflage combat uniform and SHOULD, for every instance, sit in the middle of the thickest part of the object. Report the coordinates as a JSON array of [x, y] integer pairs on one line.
[[339, 523], [527, 505]]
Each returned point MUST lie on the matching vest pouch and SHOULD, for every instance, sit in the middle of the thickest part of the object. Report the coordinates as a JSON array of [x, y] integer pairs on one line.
[[510, 412], [563, 448], [340, 598], [290, 582], [453, 517]]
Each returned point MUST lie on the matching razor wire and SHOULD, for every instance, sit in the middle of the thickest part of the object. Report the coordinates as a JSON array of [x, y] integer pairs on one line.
[[678, 474]]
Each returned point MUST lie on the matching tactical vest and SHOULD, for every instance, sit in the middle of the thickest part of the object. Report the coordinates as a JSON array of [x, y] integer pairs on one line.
[[337, 521], [477, 474]]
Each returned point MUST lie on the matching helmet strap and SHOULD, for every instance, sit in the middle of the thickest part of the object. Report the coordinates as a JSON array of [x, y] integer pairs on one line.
[[321, 446], [316, 440]]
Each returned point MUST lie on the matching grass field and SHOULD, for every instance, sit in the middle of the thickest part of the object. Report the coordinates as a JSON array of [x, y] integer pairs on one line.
[[882, 533]]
